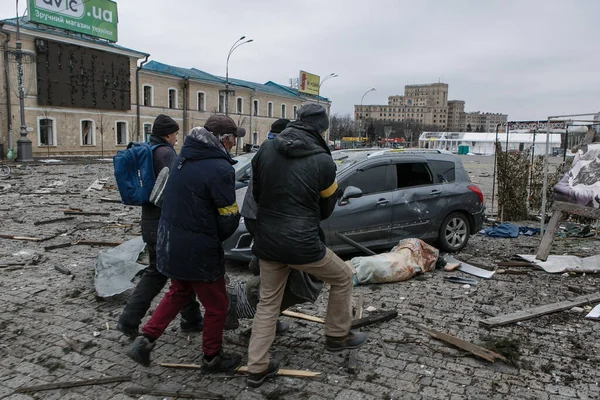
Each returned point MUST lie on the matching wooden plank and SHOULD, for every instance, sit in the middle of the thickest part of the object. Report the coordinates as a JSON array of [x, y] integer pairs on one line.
[[515, 264], [72, 212], [353, 355], [244, 369], [62, 385], [307, 317], [58, 246], [549, 235], [177, 394], [98, 243], [541, 310], [27, 238], [51, 221], [576, 209], [478, 351], [357, 323], [374, 318], [107, 200], [296, 373]]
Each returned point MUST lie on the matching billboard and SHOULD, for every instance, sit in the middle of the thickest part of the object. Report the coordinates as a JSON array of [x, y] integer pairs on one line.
[[91, 17], [309, 83]]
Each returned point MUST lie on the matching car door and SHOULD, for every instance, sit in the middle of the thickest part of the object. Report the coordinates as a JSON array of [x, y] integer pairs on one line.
[[367, 219], [417, 201]]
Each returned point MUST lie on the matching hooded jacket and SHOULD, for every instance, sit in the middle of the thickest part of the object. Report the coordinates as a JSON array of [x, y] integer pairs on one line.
[[295, 188], [162, 157], [199, 210]]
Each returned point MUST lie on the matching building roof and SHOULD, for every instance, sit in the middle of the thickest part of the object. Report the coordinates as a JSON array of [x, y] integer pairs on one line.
[[196, 74], [26, 24]]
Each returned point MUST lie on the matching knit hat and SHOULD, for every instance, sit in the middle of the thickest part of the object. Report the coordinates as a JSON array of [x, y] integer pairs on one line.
[[314, 116], [164, 125], [279, 125], [223, 125]]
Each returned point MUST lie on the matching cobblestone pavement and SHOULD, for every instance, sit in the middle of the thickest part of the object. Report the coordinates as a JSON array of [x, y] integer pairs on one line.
[[558, 355]]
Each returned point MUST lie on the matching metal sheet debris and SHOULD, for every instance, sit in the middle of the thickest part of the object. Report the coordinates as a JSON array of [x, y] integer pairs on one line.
[[116, 267], [595, 313], [561, 264], [470, 269]]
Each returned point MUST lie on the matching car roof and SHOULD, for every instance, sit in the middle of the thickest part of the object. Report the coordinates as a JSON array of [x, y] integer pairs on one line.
[[347, 157]]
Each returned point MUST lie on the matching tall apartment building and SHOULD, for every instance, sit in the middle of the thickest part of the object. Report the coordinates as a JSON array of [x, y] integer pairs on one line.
[[429, 105], [484, 122]]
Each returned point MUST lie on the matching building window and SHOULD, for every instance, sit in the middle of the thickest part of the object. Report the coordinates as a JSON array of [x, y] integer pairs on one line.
[[172, 98], [221, 102], [201, 102], [147, 132], [46, 132], [121, 133], [87, 132], [270, 109], [148, 95], [283, 111], [255, 105], [239, 105]]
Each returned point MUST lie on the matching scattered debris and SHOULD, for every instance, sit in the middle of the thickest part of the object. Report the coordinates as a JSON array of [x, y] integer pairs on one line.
[[470, 269], [460, 280], [595, 313], [541, 310], [307, 317], [98, 184], [509, 348], [353, 355], [370, 309], [177, 394], [51, 221], [382, 316], [63, 270], [478, 351], [107, 200], [80, 212], [244, 369], [116, 267], [63, 385], [561, 264]]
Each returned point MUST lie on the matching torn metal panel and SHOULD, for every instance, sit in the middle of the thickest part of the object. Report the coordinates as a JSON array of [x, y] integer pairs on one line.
[[595, 313], [116, 267], [470, 269], [560, 264]]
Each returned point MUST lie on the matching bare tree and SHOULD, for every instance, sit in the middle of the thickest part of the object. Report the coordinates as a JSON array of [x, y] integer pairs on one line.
[[133, 129], [103, 126]]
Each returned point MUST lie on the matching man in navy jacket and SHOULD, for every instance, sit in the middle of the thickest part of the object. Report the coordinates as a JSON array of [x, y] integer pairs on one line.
[[199, 213]]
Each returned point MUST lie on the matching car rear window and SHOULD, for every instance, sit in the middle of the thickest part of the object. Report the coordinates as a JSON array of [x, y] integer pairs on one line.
[[413, 174], [444, 170]]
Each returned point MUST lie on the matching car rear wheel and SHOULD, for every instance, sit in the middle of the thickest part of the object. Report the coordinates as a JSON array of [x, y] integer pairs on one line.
[[454, 232]]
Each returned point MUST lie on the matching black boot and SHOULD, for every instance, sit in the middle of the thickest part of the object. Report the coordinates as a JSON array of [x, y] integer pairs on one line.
[[127, 330], [221, 362], [352, 340], [255, 380], [140, 350]]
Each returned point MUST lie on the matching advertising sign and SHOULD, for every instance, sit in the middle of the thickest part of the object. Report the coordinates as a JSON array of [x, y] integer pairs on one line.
[[309, 83], [91, 17]]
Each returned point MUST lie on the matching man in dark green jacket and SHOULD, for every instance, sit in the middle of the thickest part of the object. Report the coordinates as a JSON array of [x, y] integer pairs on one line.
[[294, 185]]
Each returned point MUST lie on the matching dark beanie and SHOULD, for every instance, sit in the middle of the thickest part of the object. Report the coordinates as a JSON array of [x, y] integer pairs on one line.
[[279, 125], [164, 125], [314, 116]]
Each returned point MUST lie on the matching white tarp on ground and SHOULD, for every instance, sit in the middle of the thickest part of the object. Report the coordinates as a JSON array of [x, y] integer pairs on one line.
[[116, 267], [561, 264], [581, 184]]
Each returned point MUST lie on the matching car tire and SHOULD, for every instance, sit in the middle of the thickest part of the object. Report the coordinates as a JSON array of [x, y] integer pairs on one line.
[[454, 232]]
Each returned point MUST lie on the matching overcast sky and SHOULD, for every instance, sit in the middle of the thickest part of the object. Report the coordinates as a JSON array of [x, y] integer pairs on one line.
[[529, 59]]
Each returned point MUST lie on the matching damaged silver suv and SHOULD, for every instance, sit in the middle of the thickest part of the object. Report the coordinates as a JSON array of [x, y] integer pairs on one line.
[[388, 195]]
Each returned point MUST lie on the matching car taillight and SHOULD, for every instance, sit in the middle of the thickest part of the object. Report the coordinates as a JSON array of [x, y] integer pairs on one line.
[[475, 189]]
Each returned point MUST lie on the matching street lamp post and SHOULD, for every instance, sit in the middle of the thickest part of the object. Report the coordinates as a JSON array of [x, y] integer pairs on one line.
[[331, 75], [24, 151], [235, 46], [361, 120]]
